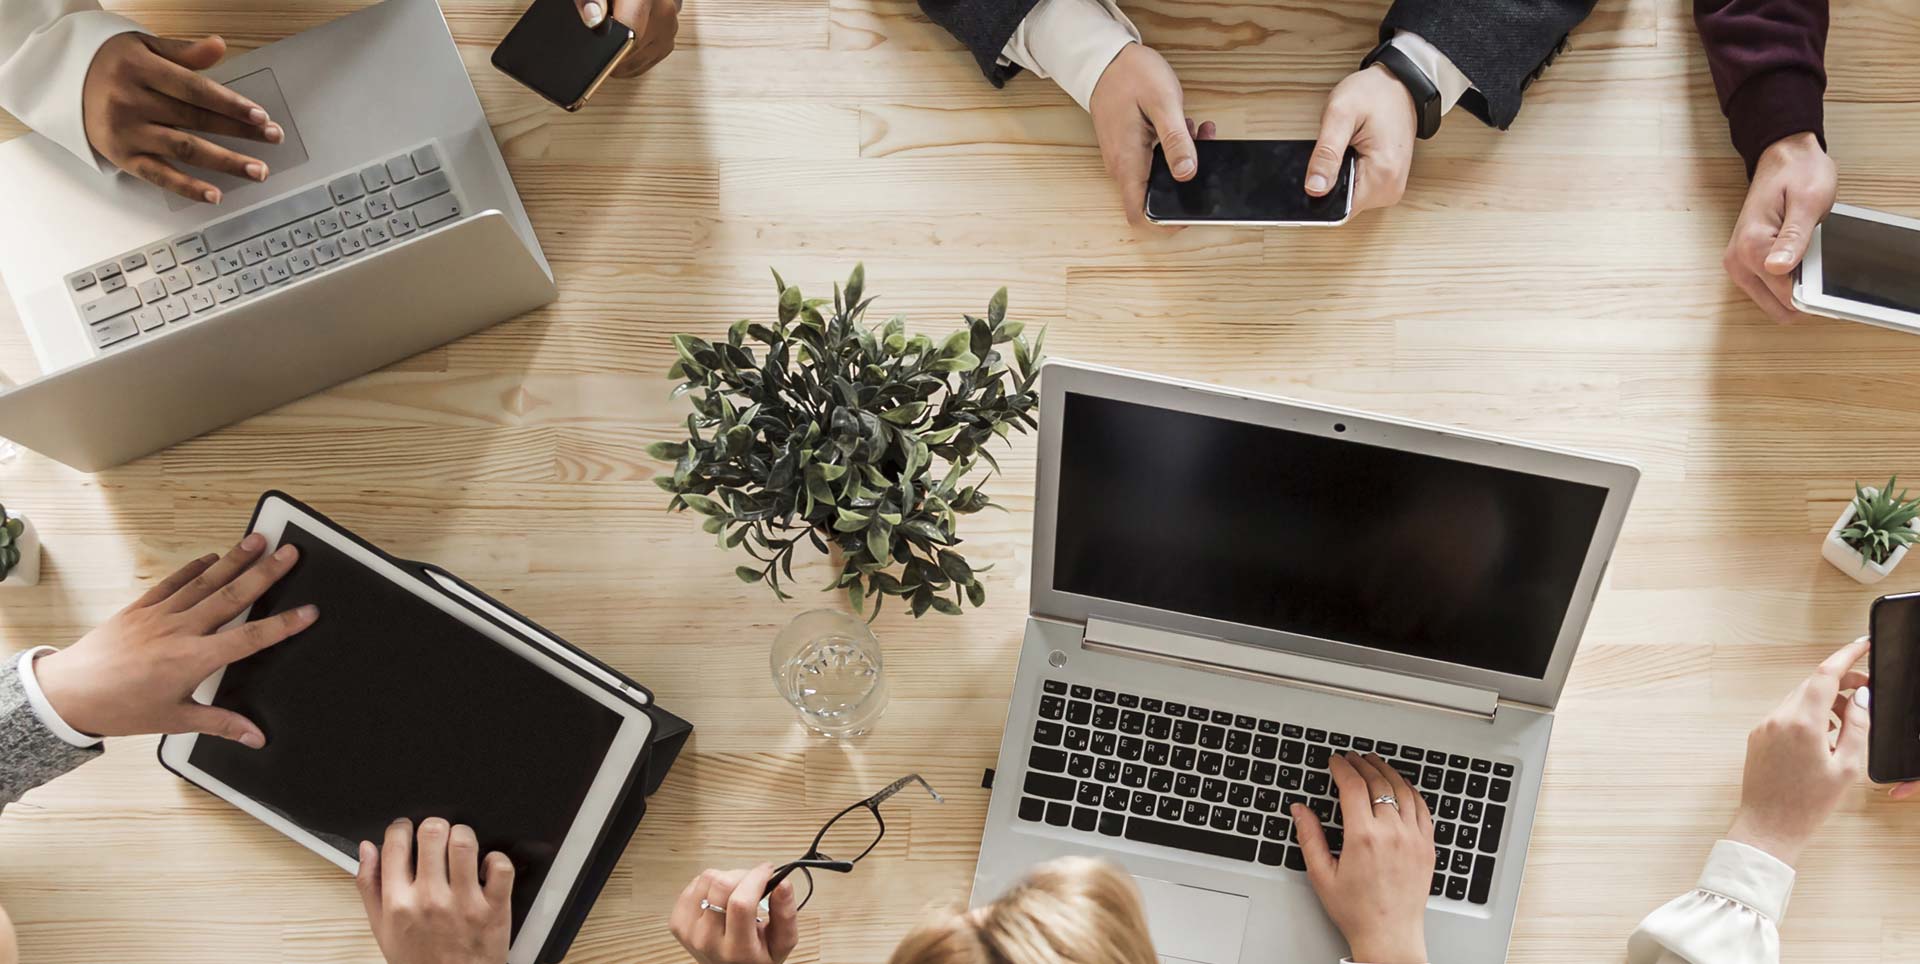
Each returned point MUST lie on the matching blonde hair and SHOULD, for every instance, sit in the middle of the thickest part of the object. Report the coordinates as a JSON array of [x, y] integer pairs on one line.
[[1074, 910]]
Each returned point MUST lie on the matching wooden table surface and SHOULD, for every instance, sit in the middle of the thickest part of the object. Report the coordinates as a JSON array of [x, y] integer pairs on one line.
[[1560, 283]]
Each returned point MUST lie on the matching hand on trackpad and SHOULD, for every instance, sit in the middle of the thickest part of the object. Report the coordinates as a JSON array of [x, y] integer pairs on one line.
[[1192, 924], [260, 87]]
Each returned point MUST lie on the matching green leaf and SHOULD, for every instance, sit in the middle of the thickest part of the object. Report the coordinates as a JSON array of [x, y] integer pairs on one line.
[[747, 573], [667, 451], [851, 521], [942, 604], [832, 472], [880, 541], [976, 594], [997, 307], [702, 504], [856, 283], [955, 343], [966, 361], [789, 304], [955, 566], [906, 414]]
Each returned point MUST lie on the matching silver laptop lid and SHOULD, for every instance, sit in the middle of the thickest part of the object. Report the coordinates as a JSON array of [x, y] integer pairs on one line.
[[1316, 530]]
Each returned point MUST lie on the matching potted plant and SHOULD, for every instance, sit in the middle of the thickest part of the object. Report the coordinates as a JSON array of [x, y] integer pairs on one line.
[[19, 550], [1874, 532], [841, 435]]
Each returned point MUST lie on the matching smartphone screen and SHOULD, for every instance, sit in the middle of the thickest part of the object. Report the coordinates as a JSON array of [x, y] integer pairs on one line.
[[1893, 742], [1871, 262], [1259, 181], [555, 54]]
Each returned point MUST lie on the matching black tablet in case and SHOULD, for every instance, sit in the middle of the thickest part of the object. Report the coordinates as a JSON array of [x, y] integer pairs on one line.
[[416, 695]]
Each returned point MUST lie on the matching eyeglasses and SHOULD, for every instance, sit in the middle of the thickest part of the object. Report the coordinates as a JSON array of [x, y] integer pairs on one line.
[[855, 830]]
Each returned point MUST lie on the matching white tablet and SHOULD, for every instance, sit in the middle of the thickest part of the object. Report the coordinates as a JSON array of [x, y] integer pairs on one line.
[[403, 700], [1863, 265]]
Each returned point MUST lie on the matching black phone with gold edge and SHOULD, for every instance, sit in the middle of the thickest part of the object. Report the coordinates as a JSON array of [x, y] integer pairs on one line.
[[1893, 735], [556, 55]]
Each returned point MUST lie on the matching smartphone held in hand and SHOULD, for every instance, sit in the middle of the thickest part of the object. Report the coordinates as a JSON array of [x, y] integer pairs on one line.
[[1893, 748], [553, 52], [1256, 183]]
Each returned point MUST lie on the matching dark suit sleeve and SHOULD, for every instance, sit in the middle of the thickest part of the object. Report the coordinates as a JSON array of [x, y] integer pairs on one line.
[[984, 26], [1501, 45], [1768, 59]]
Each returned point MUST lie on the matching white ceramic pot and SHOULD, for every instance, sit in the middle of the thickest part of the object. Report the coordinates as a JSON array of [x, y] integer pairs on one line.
[[1849, 560], [27, 572]]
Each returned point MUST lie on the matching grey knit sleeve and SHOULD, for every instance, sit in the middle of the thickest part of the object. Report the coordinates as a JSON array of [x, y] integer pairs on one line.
[[30, 754]]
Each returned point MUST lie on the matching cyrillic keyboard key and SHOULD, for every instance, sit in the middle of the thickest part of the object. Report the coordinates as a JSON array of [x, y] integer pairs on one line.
[[1031, 809], [160, 259], [436, 210], [193, 246], [346, 188], [225, 290], [260, 220], [400, 169], [413, 192], [173, 309], [148, 318], [375, 177], [425, 160], [102, 308], [1046, 760], [1482, 880], [1182, 837], [200, 299], [202, 272]]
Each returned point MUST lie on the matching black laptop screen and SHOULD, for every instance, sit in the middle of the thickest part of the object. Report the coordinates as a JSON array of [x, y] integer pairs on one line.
[[388, 707], [1318, 536]]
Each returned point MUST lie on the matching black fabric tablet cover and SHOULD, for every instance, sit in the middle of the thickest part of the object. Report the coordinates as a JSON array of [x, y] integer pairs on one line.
[[388, 707]]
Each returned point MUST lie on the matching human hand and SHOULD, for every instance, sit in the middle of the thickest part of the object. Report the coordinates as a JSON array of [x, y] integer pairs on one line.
[[142, 96], [1796, 770], [654, 23], [435, 909], [736, 936], [1792, 190], [1136, 103], [136, 672], [1371, 112], [1376, 890]]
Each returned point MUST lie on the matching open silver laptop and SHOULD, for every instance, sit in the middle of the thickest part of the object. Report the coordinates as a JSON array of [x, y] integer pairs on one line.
[[388, 225], [1228, 588]]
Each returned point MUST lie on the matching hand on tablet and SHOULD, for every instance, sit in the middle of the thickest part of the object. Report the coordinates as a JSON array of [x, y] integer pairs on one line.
[[1792, 190], [731, 932], [434, 908], [1371, 112], [136, 672]]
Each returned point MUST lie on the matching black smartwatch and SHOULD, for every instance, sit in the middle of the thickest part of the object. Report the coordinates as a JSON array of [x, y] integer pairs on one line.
[[1426, 96]]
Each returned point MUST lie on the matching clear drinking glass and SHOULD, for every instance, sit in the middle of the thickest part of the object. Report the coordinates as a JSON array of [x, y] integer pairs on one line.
[[827, 664]]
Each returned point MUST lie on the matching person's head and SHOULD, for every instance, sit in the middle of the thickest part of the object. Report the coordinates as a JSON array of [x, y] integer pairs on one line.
[[1074, 910]]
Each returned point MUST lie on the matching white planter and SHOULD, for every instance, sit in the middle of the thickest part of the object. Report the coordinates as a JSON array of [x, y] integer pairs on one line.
[[1849, 560]]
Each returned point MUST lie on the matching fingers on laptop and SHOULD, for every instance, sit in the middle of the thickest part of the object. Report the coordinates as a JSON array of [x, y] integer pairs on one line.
[[178, 77], [162, 97]]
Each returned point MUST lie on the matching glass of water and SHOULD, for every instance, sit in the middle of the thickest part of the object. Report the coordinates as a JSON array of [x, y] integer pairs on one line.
[[827, 664]]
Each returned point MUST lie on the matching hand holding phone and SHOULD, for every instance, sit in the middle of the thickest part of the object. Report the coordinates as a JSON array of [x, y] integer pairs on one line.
[[553, 52], [1248, 183]]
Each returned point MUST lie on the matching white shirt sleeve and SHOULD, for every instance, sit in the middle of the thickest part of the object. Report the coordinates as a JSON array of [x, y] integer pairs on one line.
[[44, 710], [1731, 917], [46, 47], [1071, 41], [1436, 65]]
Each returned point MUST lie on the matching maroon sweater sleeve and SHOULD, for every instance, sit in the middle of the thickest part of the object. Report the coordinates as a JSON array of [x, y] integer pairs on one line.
[[1769, 65]]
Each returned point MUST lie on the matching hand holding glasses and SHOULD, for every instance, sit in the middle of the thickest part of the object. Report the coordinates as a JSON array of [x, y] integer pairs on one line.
[[718, 918], [849, 836]]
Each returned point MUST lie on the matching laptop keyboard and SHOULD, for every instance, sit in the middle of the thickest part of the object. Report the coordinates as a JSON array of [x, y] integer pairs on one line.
[[161, 286], [1220, 783]]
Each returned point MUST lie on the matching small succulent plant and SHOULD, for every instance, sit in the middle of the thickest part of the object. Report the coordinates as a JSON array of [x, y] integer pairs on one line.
[[1882, 522], [11, 529], [819, 428]]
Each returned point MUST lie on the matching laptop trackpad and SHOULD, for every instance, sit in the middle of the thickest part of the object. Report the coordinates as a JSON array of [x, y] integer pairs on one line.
[[1191, 924], [261, 87]]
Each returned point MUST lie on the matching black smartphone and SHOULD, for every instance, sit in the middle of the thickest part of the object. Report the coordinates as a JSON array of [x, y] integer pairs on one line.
[[1247, 182], [1893, 742], [556, 55]]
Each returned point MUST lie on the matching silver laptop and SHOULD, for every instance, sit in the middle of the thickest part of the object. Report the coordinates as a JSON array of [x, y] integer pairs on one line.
[[1227, 589], [388, 225]]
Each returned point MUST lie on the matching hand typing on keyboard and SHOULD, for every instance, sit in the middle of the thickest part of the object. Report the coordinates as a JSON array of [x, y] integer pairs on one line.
[[141, 98], [1375, 891], [654, 23]]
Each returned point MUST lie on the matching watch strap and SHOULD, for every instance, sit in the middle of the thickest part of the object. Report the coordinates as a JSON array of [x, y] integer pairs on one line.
[[1426, 96]]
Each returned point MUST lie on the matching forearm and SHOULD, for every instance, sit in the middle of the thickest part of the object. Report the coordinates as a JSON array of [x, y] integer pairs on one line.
[[31, 752], [1502, 45], [1768, 59], [46, 47], [984, 26]]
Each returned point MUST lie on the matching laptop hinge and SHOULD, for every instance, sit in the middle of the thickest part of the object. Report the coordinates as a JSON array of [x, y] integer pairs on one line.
[[1239, 659]]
